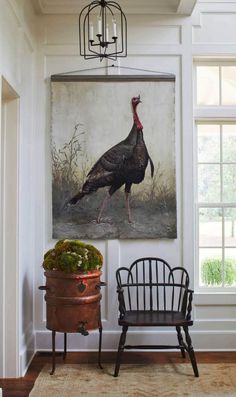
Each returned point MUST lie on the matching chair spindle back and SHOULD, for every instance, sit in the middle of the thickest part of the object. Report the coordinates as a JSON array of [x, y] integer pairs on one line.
[[150, 284]]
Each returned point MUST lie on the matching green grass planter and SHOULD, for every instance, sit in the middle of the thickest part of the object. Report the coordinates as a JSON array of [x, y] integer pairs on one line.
[[211, 271]]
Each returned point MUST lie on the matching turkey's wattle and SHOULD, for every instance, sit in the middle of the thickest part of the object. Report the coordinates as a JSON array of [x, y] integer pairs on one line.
[[123, 164]]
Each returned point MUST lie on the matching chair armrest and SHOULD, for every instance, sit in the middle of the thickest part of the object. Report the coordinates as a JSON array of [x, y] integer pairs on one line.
[[189, 307], [121, 300]]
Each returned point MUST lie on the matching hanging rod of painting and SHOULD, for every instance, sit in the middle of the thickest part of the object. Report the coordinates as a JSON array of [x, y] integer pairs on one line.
[[70, 76]]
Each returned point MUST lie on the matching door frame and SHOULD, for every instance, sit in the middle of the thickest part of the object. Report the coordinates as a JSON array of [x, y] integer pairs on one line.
[[9, 231]]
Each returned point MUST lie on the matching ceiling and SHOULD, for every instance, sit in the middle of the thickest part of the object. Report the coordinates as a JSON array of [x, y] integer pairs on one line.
[[177, 7]]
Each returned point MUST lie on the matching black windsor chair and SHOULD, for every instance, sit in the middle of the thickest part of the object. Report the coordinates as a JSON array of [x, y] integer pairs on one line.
[[151, 294]]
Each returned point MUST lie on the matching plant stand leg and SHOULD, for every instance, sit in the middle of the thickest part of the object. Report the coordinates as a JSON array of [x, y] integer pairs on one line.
[[100, 347], [120, 350], [65, 346], [53, 352], [180, 339], [191, 352]]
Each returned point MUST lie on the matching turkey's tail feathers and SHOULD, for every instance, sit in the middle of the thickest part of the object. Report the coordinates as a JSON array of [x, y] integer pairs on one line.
[[76, 198], [152, 166]]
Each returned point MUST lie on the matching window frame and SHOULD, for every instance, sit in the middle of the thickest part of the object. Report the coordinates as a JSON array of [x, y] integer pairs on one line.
[[211, 62], [219, 115]]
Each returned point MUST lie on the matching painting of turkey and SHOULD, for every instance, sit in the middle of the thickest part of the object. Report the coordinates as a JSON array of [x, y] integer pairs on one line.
[[113, 158]]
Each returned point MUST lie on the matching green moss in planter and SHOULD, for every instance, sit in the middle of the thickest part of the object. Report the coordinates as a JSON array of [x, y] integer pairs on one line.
[[72, 256], [211, 270]]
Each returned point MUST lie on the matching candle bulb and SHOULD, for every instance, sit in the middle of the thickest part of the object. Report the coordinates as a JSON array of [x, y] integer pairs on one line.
[[107, 33], [114, 28], [91, 37], [99, 25]]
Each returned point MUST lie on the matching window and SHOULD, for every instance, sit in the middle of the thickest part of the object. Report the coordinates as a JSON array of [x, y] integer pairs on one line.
[[216, 85], [216, 176]]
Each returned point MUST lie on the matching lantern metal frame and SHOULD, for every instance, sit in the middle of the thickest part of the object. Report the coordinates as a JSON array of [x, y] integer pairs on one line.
[[99, 48]]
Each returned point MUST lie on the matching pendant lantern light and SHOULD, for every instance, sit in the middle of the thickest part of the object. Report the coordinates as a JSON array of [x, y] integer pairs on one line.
[[103, 31]]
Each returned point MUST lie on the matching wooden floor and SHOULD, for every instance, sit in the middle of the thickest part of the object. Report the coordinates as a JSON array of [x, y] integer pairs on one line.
[[22, 387]]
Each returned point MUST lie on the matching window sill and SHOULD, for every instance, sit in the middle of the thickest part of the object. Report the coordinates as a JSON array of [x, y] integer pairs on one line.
[[214, 298]]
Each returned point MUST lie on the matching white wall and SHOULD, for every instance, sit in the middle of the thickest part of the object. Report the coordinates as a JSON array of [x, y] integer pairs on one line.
[[161, 43], [17, 66]]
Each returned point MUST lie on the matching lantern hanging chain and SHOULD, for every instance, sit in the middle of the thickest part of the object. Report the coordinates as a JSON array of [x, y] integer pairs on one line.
[[113, 66]]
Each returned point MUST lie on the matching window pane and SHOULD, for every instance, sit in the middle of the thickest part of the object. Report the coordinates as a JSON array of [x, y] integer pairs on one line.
[[229, 142], [228, 85], [208, 85], [208, 183], [230, 267], [211, 269], [210, 227], [208, 143], [229, 183], [230, 226]]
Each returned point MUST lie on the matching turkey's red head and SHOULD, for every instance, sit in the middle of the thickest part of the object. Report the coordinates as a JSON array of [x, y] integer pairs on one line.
[[135, 101]]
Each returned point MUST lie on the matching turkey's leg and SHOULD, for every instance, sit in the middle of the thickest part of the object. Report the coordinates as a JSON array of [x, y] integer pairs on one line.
[[127, 195], [104, 204]]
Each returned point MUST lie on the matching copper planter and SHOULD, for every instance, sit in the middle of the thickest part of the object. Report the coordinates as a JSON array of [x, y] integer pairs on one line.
[[73, 301]]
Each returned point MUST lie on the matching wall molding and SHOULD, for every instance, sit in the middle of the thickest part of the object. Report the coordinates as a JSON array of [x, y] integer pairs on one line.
[[151, 6], [21, 23]]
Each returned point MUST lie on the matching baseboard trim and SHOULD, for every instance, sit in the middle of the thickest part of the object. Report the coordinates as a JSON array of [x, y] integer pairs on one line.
[[202, 340], [27, 354]]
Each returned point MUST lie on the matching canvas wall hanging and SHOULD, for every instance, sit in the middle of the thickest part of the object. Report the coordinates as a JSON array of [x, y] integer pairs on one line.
[[113, 157]]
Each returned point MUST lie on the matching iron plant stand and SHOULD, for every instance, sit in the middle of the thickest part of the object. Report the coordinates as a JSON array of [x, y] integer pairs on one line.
[[65, 348]]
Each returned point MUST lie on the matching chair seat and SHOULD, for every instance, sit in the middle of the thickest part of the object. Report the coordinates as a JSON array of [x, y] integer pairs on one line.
[[154, 318]]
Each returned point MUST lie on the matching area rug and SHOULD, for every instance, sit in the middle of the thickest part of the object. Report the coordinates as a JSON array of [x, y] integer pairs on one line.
[[135, 380]]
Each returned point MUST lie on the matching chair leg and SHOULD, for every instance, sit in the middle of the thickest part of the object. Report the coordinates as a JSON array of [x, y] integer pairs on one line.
[[65, 346], [53, 352], [191, 352], [100, 346], [120, 349], [180, 339]]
